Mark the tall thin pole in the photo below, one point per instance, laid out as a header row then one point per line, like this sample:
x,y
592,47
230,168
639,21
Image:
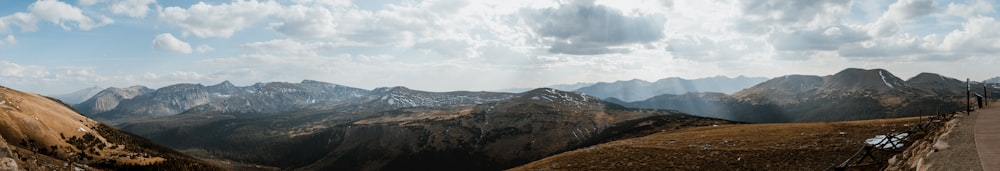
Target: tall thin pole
x,y
986,95
968,97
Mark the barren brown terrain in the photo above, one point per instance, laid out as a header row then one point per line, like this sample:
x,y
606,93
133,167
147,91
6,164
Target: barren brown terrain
x,y
44,134
796,146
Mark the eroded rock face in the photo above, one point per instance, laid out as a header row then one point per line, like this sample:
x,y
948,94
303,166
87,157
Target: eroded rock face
x,y
914,158
7,161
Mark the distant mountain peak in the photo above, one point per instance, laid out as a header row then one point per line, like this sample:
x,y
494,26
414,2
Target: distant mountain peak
x,y
307,81
636,90
861,79
79,95
992,80
392,89
543,90
136,87
634,80
553,95
225,83
929,77
937,84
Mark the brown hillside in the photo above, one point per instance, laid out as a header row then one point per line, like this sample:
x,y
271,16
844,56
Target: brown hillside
x,y
44,134
797,146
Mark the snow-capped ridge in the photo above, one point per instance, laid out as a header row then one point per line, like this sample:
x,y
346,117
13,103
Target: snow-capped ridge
x,y
225,83
402,97
550,95
314,82
391,89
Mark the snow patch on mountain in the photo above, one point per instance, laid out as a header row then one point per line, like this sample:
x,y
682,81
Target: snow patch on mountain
x,y
560,97
884,81
397,97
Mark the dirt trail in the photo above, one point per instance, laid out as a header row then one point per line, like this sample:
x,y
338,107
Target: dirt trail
x,y
987,135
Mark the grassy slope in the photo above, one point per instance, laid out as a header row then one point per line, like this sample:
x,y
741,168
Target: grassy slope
x,y
46,134
796,146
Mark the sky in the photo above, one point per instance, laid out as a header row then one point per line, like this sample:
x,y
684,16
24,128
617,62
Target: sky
x,y
54,47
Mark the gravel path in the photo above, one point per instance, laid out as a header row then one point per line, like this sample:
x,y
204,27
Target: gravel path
x,y
958,150
988,137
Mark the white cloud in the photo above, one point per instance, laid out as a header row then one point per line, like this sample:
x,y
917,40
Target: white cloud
x,y
313,21
397,25
330,3
168,42
978,35
979,7
883,28
761,16
824,39
899,46
131,8
25,21
185,76
88,2
701,48
223,20
425,44
204,49
9,40
424,26
910,9
288,47
975,38
59,13
59,79
448,48
56,12
585,28
9,69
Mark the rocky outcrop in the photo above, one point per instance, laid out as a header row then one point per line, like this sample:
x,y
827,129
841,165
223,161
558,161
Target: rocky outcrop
x,y
7,161
108,99
915,157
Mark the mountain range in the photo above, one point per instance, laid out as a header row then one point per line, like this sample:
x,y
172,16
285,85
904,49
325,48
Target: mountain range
x,y
992,80
561,87
138,102
79,95
328,126
851,94
40,133
401,129
314,125
108,99
636,90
